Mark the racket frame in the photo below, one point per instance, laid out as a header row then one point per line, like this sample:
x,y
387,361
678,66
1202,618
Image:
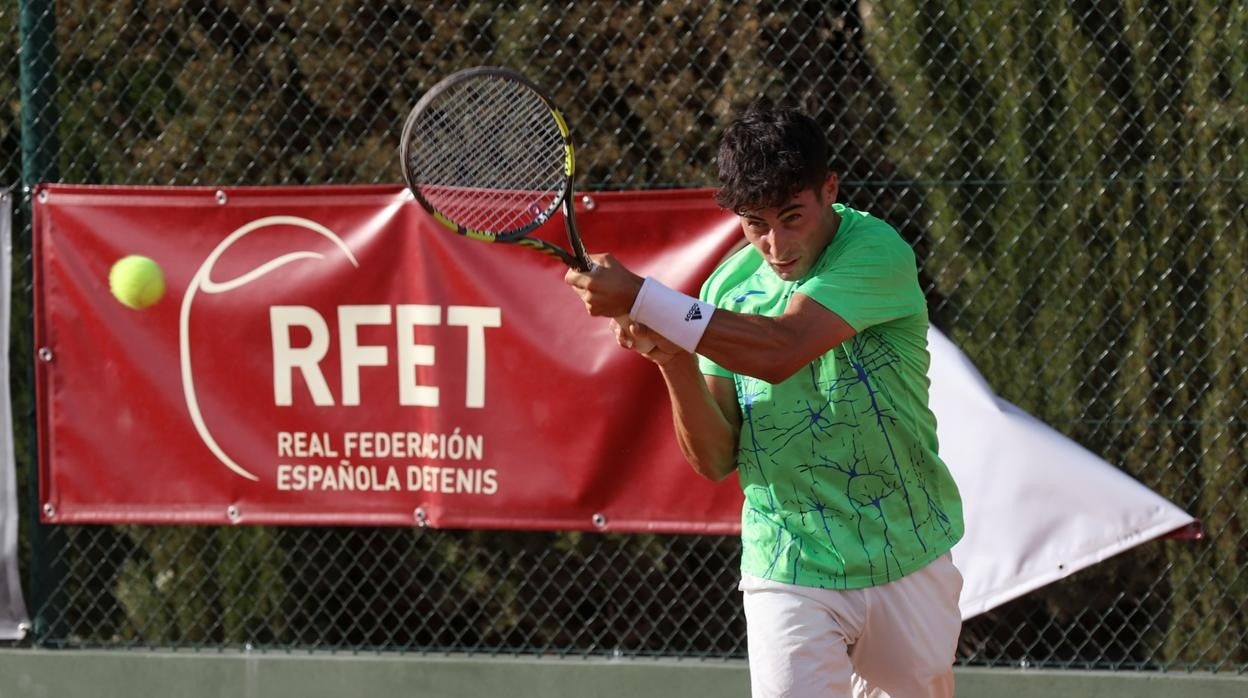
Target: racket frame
x,y
576,258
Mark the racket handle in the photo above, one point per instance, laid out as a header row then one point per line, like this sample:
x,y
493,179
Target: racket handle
x,y
641,344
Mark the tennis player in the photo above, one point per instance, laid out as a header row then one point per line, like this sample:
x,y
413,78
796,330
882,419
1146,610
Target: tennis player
x,y
803,367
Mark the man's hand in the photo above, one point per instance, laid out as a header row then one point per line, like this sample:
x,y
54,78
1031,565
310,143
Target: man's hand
x,y
607,291
636,336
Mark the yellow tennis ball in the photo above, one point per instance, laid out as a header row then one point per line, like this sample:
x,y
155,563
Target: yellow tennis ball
x,y
136,281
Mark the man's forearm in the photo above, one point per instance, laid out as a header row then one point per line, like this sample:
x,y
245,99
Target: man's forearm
x,y
751,345
707,437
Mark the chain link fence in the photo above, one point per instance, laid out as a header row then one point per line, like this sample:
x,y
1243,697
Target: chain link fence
x,y
1071,173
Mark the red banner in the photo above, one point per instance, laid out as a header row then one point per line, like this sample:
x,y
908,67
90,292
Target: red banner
x,y
329,355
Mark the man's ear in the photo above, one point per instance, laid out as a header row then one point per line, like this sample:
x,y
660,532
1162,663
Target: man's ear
x,y
830,187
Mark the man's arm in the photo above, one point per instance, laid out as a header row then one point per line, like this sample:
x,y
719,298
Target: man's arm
x,y
705,414
767,348
773,348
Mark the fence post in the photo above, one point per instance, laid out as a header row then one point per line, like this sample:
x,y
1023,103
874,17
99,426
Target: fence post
x,y
38,78
40,148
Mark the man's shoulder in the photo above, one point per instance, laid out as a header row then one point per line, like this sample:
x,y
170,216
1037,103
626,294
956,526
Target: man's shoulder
x,y
745,258
866,229
866,237
730,273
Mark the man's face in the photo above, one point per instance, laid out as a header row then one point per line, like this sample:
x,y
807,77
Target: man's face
x,y
791,237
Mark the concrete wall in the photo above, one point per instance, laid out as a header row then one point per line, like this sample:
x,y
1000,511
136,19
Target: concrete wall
x,y
131,674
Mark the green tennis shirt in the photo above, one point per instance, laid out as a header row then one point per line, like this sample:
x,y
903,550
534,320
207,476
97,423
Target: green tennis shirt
x,y
843,484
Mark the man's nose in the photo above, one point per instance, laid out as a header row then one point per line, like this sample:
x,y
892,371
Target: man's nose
x,y
777,245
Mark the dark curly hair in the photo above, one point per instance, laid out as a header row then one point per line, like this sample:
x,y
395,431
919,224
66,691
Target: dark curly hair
x,y
767,155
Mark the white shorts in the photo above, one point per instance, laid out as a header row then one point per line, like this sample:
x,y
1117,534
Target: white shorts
x,y
897,640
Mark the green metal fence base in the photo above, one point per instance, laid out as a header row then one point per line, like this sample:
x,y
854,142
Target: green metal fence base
x,y
102,674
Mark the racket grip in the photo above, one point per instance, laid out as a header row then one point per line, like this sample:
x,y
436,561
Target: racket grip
x,y
640,344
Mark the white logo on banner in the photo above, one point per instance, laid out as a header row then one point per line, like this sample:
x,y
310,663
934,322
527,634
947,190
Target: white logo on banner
x,y
202,282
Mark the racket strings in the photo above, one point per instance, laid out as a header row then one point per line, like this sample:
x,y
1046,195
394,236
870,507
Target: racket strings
x,y
489,155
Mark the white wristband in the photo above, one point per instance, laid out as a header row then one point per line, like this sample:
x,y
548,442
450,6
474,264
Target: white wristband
x,y
680,318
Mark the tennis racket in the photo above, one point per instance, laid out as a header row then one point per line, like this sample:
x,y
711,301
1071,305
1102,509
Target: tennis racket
x,y
490,157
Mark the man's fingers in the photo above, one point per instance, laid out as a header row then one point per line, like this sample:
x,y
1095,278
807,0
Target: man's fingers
x,y
576,279
621,337
623,328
